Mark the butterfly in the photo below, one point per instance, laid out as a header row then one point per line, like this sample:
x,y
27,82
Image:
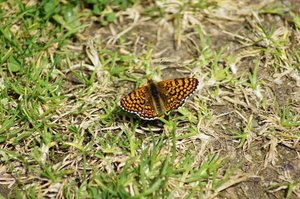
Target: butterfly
x,y
151,101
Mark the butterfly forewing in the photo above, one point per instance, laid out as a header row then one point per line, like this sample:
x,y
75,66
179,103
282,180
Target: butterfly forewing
x,y
174,92
139,102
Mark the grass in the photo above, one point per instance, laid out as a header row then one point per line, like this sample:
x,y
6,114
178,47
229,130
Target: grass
x,y
66,65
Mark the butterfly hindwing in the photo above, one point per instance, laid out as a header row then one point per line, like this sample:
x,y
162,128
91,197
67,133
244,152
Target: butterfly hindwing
x,y
139,102
174,92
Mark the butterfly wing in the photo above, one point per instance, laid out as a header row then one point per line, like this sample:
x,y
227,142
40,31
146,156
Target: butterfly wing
x,y
175,92
140,102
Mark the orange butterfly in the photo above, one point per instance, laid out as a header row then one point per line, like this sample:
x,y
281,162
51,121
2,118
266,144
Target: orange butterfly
x,y
153,100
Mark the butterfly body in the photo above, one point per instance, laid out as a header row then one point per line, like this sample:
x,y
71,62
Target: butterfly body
x,y
156,97
153,100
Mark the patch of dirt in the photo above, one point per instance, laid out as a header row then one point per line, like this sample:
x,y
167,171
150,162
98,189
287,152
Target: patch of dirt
x,y
284,92
249,190
4,191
